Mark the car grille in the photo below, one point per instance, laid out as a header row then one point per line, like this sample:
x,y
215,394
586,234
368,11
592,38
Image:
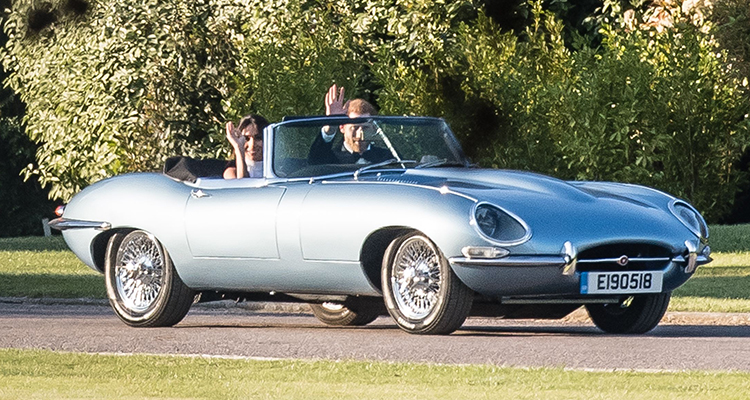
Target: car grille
x,y
624,257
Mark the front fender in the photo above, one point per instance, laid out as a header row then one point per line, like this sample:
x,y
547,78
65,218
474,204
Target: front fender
x,y
149,201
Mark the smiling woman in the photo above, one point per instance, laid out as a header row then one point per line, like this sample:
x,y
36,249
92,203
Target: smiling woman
x,y
247,144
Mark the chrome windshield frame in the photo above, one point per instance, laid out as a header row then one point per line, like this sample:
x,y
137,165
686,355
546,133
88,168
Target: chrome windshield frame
x,y
270,138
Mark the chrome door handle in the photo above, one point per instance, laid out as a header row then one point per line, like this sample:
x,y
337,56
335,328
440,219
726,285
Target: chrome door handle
x,y
199,194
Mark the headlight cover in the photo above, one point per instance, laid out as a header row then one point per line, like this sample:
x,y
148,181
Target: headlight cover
x,y
690,217
499,226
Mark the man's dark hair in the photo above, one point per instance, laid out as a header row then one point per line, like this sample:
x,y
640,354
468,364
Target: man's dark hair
x,y
360,106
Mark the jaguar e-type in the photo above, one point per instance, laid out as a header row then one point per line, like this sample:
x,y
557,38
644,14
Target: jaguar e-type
x,y
415,231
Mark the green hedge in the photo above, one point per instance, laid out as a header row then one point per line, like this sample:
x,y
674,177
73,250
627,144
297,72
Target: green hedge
x,y
112,87
118,86
23,205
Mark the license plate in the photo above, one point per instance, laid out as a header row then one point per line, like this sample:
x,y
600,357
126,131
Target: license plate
x,y
621,282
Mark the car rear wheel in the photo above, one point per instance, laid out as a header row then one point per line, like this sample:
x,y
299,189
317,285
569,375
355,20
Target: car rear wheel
x,y
636,314
421,292
337,314
142,284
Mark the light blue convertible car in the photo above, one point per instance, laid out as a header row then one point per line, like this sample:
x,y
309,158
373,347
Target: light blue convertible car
x,y
417,232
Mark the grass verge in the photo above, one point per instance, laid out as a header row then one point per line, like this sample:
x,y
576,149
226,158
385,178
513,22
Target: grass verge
x,y
44,267
721,286
26,374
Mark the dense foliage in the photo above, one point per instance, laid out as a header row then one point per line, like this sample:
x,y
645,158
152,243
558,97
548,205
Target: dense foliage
x,y
656,107
115,86
23,205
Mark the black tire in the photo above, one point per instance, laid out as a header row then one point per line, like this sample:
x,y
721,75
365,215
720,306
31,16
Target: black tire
x,y
142,284
635,315
421,291
338,314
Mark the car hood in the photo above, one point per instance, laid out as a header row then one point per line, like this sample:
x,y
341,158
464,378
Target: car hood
x,y
523,185
585,213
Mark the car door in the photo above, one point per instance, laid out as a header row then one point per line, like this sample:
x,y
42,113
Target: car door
x,y
236,220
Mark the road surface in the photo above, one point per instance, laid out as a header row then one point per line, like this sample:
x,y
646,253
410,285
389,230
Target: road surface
x,y
237,332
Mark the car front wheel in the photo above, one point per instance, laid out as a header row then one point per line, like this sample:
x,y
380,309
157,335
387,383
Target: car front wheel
x,y
142,284
634,315
421,291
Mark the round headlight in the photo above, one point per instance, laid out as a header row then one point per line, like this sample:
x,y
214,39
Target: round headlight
x,y
498,225
690,218
487,220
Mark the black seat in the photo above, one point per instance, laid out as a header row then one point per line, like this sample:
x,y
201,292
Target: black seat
x,y
190,169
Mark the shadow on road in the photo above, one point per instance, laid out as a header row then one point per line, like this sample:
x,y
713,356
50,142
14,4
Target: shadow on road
x,y
241,319
486,328
698,331
666,331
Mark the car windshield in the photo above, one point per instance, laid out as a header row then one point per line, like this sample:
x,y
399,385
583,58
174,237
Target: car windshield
x,y
301,150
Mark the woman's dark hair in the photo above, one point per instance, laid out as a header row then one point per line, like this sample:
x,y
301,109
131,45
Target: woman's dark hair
x,y
254,124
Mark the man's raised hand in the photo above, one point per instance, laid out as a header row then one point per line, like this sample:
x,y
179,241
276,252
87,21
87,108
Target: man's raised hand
x,y
335,100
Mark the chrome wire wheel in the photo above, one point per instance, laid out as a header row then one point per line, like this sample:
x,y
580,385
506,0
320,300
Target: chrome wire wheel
x,y
139,272
415,277
420,290
143,287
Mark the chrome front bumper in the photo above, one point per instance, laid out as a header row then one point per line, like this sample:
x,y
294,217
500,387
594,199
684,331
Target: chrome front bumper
x,y
62,224
696,254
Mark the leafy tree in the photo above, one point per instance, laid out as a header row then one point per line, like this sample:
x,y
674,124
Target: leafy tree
x,y
118,87
22,204
651,106
291,53
113,87
732,20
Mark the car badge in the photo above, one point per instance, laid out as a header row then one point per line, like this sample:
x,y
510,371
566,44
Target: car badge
x,y
623,261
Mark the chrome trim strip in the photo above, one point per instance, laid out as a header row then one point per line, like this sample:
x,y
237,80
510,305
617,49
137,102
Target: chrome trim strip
x,y
614,260
597,300
570,255
692,256
700,219
343,119
65,224
545,261
442,189
701,259
517,261
473,222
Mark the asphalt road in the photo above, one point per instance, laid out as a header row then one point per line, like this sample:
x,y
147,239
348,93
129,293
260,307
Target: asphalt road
x,y
236,332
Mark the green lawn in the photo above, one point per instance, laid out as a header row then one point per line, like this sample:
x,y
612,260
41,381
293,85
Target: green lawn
x,y
43,267
721,286
38,374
